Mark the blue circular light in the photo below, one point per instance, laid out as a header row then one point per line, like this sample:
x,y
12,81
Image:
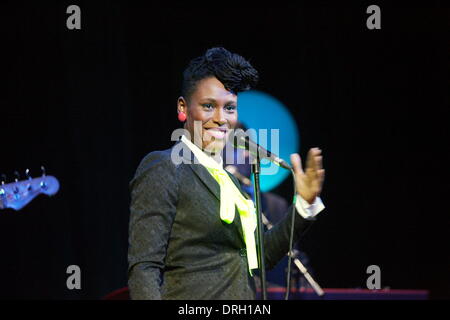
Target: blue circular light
x,y
258,110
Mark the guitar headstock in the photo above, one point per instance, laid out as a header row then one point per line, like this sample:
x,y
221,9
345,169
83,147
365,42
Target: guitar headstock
x,y
18,194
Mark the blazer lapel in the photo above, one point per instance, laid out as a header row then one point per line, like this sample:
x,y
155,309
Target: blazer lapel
x,y
206,178
209,181
200,170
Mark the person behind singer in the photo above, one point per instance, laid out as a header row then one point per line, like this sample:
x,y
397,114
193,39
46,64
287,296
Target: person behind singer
x,y
273,208
191,230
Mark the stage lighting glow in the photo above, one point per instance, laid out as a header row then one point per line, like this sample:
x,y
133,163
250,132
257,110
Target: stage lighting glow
x,y
259,110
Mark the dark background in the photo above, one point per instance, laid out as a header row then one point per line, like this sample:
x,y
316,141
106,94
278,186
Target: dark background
x,y
89,104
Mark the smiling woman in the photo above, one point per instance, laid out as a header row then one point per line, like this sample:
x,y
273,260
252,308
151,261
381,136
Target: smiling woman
x,y
214,107
209,95
192,229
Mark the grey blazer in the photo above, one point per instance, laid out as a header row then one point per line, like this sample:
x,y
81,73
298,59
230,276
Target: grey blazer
x,y
179,248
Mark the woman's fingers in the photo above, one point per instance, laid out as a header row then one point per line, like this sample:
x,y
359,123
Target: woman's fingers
x,y
296,162
318,162
314,169
321,177
314,159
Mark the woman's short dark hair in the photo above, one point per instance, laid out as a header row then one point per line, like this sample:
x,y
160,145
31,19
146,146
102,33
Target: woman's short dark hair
x,y
236,73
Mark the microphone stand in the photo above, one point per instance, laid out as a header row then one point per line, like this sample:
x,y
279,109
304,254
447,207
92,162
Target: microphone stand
x,y
256,169
307,275
316,287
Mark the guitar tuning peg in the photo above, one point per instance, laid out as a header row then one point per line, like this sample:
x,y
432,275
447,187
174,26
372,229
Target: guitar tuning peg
x,y
43,184
27,174
2,190
17,176
16,189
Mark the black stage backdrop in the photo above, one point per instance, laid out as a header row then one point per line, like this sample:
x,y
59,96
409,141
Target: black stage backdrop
x,y
89,104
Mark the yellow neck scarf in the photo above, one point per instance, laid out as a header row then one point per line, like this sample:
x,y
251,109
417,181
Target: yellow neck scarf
x,y
230,198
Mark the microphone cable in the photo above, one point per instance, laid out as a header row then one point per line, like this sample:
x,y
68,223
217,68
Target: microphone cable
x,y
291,238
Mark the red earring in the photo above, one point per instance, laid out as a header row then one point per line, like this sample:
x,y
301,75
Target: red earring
x,y
182,116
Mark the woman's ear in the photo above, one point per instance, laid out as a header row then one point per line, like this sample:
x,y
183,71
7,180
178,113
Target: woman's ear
x,y
181,104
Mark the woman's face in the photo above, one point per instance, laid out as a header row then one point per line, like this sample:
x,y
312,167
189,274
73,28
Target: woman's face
x,y
211,113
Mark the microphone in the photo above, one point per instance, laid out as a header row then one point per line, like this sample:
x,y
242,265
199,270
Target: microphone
x,y
244,142
234,171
